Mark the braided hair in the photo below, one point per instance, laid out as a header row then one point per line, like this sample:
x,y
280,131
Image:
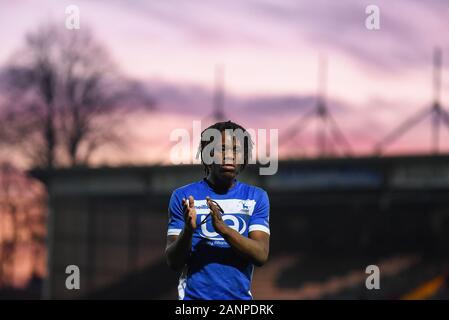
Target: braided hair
x,y
221,127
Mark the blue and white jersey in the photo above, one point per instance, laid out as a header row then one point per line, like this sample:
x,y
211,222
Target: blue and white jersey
x,y
214,270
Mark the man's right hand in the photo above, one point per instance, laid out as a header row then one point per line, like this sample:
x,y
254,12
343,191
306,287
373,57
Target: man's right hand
x,y
189,213
178,247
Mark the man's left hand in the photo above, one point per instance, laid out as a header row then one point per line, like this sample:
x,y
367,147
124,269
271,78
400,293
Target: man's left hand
x,y
217,221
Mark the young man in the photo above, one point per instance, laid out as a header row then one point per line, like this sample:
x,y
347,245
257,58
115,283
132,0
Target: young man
x,y
219,227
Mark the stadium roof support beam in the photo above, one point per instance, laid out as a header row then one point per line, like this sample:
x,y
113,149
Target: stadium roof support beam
x,y
439,116
329,137
217,114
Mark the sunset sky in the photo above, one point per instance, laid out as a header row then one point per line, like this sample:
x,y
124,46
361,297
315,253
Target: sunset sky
x,y
270,50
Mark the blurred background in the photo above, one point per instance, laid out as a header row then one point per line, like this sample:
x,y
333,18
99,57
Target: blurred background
x,y
86,166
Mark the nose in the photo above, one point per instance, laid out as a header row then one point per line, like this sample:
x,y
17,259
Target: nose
x,y
229,156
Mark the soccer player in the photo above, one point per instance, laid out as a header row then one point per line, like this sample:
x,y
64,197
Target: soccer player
x,y
218,227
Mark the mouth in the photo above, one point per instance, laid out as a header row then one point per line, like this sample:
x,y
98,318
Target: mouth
x,y
227,167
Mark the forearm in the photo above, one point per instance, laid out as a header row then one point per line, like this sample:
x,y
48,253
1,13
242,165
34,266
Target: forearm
x,y
178,251
253,250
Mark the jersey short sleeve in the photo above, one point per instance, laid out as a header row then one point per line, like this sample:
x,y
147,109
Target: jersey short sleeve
x,y
175,215
260,219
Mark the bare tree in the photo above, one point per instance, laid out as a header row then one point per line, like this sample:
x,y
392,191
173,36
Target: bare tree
x,y
61,99
22,222
64,98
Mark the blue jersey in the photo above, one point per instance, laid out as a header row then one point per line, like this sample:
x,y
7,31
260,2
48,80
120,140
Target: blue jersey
x,y
214,270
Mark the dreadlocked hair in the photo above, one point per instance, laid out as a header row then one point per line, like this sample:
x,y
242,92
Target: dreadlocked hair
x,y
222,126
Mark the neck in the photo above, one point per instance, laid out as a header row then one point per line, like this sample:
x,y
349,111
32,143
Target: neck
x,y
220,185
